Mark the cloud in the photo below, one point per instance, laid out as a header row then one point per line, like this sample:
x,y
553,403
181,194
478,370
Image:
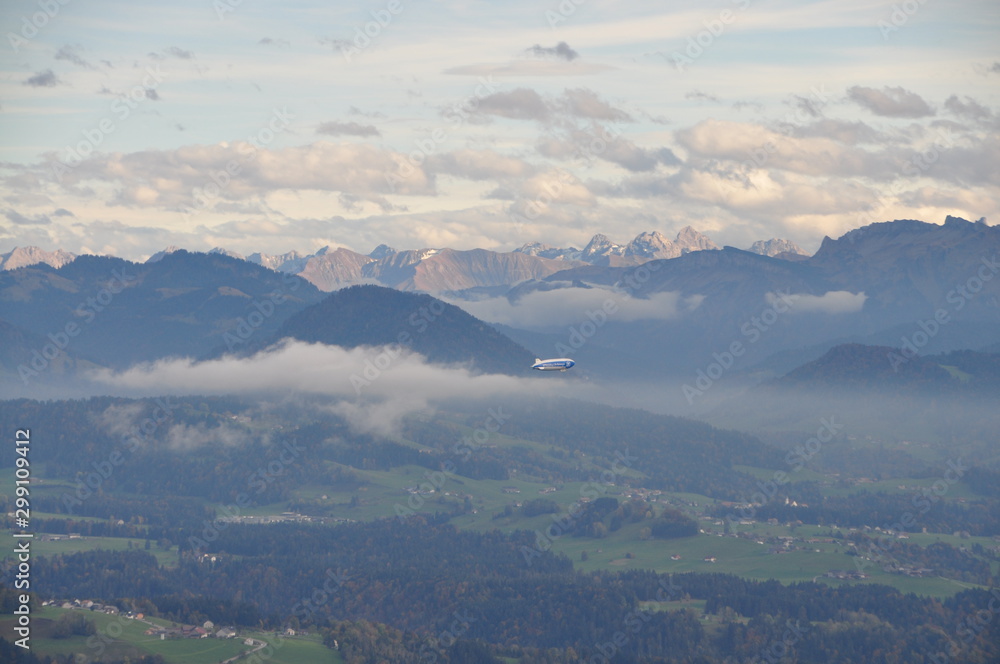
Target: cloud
x,y
179,53
542,309
70,54
334,128
527,104
354,110
182,437
890,102
126,421
175,178
585,103
518,104
267,41
831,302
43,79
371,399
807,105
702,96
754,147
969,109
849,133
21,220
519,68
561,50
479,165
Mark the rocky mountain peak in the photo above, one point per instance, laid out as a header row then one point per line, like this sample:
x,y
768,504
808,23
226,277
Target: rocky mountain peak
x,y
691,240
381,252
600,245
650,245
776,246
159,255
25,256
227,252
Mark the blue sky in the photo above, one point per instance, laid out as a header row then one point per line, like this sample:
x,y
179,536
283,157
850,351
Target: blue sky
x,y
476,124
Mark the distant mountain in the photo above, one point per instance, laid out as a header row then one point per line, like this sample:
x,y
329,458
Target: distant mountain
x,y
861,367
433,270
776,247
159,255
292,261
381,251
182,304
688,240
600,247
25,355
884,285
25,256
880,390
546,251
225,252
335,269
644,247
375,315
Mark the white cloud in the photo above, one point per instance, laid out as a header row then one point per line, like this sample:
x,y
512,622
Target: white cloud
x,y
831,302
372,387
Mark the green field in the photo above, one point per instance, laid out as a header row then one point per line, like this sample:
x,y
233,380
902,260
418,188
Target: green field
x,y
65,546
119,637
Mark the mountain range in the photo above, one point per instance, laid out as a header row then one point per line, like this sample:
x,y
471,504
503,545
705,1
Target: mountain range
x,y
438,270
896,284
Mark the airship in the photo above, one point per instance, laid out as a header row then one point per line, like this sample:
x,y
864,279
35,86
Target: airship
x,y
557,364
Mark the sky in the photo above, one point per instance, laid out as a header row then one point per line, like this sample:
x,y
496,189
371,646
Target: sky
x,y
127,127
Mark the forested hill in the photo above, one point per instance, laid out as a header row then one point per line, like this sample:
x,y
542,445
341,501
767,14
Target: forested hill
x,y
673,453
858,366
374,315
